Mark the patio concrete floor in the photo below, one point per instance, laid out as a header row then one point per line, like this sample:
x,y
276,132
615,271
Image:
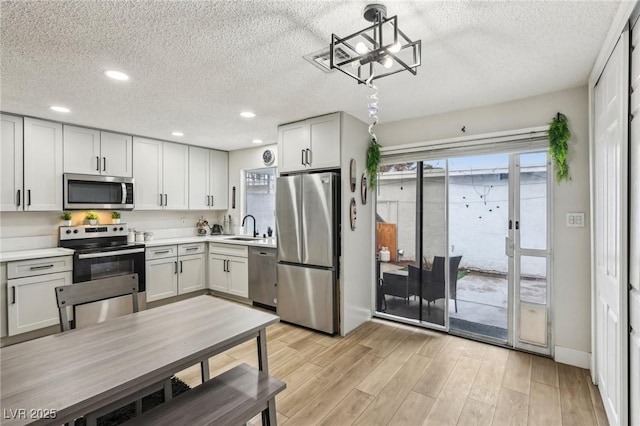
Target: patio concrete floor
x,y
482,303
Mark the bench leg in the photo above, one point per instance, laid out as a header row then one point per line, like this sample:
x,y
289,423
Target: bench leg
x,y
204,370
269,416
168,391
263,362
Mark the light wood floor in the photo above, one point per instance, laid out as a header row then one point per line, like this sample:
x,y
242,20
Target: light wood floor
x,y
385,373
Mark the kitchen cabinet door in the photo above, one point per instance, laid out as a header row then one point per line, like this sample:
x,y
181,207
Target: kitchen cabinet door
x,y
238,271
11,185
199,196
117,154
81,150
218,278
31,303
192,273
147,172
293,141
219,179
161,278
175,172
42,165
324,142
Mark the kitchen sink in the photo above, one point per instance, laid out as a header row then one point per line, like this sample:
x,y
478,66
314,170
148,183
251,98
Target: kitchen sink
x,y
244,238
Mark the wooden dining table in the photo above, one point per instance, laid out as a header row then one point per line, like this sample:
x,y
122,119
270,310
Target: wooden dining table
x,y
57,378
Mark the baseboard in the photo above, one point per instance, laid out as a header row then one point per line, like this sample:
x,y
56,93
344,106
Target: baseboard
x,y
572,357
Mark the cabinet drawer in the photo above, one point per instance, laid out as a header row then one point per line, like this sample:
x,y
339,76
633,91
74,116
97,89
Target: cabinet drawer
x,y
184,249
33,267
161,252
229,249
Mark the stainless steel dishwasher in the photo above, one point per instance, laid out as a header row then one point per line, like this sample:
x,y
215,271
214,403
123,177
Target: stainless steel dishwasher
x,y
262,276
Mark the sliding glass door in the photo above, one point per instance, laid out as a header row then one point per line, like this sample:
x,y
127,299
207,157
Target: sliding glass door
x,y
463,246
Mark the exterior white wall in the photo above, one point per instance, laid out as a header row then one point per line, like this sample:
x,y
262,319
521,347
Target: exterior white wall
x,y
570,246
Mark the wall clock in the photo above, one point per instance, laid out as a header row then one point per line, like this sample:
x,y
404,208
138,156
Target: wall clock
x,y
268,157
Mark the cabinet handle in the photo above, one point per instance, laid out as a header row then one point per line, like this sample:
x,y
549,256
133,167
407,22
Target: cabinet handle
x,y
302,160
37,268
191,248
309,156
161,200
13,297
97,163
208,202
28,197
181,266
165,199
104,164
161,251
228,266
18,199
212,201
176,265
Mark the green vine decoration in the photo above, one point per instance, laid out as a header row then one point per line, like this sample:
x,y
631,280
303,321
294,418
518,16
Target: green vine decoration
x,y
559,135
373,160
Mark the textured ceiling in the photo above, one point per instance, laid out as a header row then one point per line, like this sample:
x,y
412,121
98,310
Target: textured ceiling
x,y
195,66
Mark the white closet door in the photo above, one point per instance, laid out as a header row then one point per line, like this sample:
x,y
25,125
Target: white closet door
x,y
634,232
610,213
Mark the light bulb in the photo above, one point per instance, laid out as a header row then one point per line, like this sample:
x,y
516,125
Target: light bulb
x,y
361,48
387,63
395,48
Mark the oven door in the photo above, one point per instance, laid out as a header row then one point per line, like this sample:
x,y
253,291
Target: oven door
x,y
91,266
98,192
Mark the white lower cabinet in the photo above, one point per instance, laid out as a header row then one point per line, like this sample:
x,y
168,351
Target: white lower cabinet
x,y
161,278
31,298
229,269
174,270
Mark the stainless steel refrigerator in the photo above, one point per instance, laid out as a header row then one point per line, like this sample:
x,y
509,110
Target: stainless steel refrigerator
x,y
307,227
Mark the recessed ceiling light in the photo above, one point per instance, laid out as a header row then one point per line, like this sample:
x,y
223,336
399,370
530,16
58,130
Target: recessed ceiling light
x,y
177,133
257,141
59,109
247,114
116,75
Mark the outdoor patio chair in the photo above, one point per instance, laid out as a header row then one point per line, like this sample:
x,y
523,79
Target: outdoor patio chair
x,y
433,281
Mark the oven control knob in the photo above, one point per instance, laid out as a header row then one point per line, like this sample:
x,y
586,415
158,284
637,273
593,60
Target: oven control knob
x,y
115,229
75,231
121,228
68,231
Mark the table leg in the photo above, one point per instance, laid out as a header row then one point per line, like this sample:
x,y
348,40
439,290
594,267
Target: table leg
x,y
268,415
204,369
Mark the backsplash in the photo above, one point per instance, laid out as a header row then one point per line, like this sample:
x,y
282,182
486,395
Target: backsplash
x,y
33,230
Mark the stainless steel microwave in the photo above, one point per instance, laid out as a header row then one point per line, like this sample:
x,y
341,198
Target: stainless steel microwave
x,y
88,192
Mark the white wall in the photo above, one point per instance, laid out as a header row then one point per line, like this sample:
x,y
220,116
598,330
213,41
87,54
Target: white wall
x,y
357,263
240,160
570,246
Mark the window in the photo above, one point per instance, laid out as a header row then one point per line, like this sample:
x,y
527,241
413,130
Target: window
x,y
260,199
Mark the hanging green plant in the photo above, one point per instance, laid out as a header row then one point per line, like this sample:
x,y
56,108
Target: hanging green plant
x,y
559,135
373,160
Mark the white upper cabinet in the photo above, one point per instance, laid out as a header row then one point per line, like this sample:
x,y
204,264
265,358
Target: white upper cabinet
x,y
208,179
11,187
42,165
175,172
219,179
310,144
161,173
147,173
92,152
117,154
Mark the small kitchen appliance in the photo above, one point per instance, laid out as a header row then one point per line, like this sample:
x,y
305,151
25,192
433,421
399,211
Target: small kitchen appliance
x,y
101,252
216,229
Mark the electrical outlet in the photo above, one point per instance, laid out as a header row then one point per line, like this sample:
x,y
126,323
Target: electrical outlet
x,y
183,221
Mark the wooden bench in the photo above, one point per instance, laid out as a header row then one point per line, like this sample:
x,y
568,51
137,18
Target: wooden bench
x,y
232,398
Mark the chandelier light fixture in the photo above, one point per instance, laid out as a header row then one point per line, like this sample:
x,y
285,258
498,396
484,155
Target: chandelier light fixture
x,y
376,51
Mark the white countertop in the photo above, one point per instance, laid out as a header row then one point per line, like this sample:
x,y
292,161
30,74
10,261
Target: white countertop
x,y
9,256
226,239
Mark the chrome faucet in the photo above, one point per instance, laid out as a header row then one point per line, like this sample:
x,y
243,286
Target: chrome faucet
x,y
255,233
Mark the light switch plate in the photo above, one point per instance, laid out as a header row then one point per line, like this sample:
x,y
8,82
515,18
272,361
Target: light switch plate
x,y
575,220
